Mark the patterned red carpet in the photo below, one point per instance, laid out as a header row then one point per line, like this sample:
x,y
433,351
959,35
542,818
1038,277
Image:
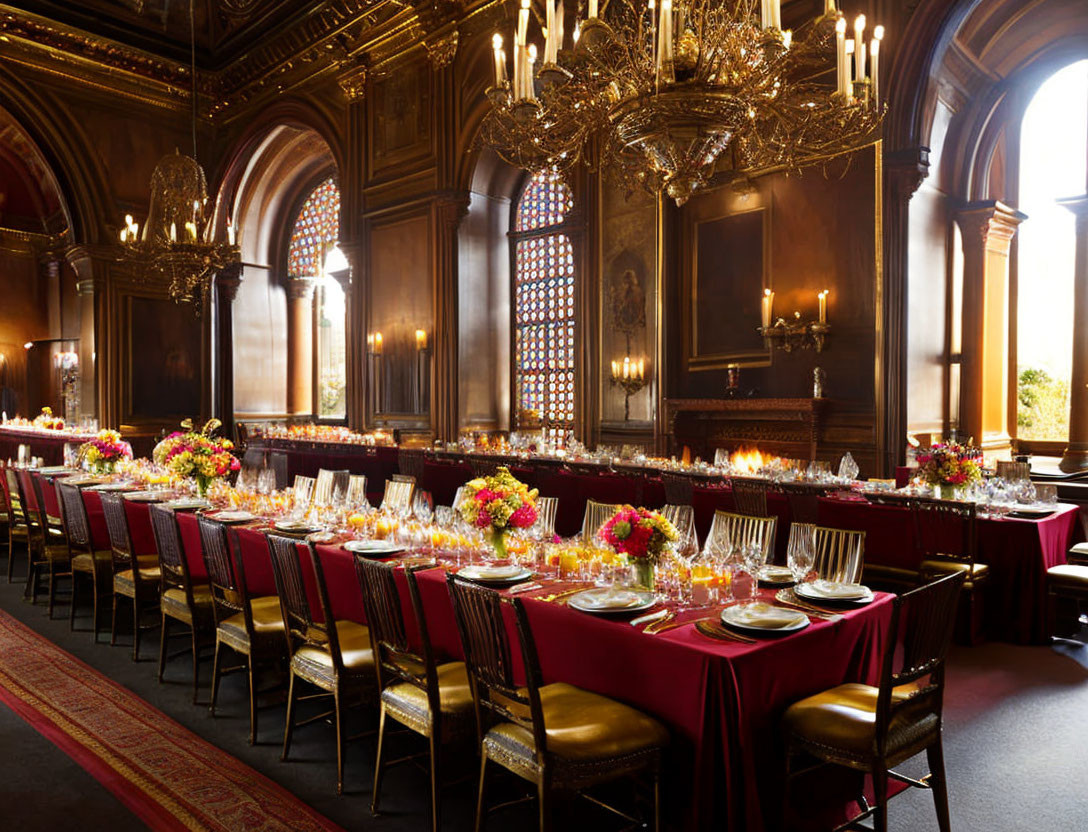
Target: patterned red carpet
x,y
168,776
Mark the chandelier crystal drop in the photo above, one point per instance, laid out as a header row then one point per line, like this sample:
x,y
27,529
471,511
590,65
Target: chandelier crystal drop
x,y
663,95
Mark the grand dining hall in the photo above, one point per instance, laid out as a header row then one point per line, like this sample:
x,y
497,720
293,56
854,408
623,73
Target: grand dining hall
x,y
607,415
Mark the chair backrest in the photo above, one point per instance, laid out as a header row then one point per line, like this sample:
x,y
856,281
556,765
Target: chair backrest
x,y
411,462
597,514
37,516
77,527
278,460
946,529
750,496
741,530
799,532
226,574
478,612
357,489
398,493
329,484
918,640
113,507
294,604
840,554
171,549
15,502
404,478
679,489
682,517
546,508
803,499
328,625
1013,471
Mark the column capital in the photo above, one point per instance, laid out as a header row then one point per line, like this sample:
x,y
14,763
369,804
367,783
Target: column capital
x,y
1078,205
989,223
906,169
301,288
227,281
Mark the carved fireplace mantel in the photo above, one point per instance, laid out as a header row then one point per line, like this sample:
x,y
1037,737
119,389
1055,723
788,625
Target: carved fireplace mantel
x,y
783,427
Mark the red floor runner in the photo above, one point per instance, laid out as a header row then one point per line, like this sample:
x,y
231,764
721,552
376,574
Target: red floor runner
x,y
167,775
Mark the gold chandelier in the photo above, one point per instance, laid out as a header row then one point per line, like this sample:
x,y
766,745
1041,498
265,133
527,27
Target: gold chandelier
x,y
661,95
177,243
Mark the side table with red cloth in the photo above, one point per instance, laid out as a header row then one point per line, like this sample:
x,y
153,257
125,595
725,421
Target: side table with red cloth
x,y
48,445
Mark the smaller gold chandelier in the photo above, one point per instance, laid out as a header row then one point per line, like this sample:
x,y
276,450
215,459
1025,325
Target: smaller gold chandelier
x,y
177,244
662,94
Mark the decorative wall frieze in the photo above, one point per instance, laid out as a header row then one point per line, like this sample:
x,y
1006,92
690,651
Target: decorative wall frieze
x,y
441,51
352,81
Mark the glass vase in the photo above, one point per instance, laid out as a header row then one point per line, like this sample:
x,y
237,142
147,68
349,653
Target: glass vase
x,y
645,573
498,544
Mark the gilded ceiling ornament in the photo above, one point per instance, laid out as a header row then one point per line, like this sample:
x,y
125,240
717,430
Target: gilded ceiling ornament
x,y
353,82
441,51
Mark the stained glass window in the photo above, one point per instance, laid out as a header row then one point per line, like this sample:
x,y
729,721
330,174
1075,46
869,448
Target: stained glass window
x,y
544,305
315,231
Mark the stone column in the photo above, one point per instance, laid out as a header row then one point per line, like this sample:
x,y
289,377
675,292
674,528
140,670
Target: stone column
x,y
227,282
988,228
300,346
1075,457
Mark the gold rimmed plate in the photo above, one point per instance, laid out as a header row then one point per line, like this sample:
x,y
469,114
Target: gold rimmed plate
x,y
764,619
612,601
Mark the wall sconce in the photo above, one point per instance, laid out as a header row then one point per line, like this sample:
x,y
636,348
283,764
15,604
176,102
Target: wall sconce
x,y
423,360
789,335
374,343
630,376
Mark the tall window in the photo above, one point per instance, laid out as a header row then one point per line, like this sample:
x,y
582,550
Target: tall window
x,y
1053,142
544,306
313,237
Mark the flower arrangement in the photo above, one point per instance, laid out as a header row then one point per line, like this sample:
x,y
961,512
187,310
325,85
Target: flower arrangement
x,y
199,455
639,533
47,421
949,464
102,453
498,503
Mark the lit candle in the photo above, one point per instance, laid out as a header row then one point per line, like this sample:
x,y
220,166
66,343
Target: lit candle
x,y
829,6
641,368
124,234
530,93
626,366
768,306
173,232
859,48
874,61
847,73
664,41
549,35
559,30
615,369
592,9
840,54
787,39
776,14
377,343
765,13
523,22
421,339
500,60
230,231
823,306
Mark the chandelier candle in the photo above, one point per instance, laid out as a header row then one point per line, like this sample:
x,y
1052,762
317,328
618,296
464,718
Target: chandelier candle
x,y
500,60
847,73
874,62
859,48
840,55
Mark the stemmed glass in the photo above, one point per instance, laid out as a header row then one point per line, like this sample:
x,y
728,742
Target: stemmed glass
x,y
753,557
422,507
801,554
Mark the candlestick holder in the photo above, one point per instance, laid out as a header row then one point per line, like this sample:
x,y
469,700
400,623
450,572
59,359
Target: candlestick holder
x,y
630,385
795,335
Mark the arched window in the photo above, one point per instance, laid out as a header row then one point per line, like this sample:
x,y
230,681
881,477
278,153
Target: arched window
x,y
1053,143
544,306
314,235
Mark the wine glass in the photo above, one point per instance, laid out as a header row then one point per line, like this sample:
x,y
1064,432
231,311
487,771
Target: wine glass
x,y
422,507
801,555
753,557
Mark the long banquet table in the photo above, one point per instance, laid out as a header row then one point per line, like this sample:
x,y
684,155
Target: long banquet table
x,y
721,700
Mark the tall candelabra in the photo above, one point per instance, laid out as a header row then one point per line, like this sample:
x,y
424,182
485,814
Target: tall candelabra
x,y
630,376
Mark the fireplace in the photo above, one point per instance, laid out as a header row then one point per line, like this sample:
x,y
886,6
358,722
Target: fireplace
x,y
779,427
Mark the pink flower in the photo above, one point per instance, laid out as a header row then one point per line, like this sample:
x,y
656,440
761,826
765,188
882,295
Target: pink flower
x,y
523,518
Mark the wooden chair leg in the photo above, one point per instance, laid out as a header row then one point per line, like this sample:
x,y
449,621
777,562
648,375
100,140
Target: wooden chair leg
x,y
880,792
162,646
136,626
436,782
480,792
938,783
544,799
51,602
289,726
338,723
379,765
72,608
215,676
251,674
657,799
113,622
196,662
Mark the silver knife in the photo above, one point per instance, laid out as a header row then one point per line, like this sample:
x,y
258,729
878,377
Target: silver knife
x,y
647,619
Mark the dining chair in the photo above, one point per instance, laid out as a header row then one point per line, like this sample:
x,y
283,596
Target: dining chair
x,y
182,599
251,627
334,656
357,490
17,530
433,700
803,499
1067,591
330,484
398,493
557,736
742,529
873,729
47,549
87,561
750,496
546,509
840,554
135,577
946,533
597,514
679,489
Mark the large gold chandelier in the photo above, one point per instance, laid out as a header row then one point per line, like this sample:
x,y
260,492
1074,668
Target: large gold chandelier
x,y
662,95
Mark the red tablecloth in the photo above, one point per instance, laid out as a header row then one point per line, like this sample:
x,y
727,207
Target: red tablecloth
x,y
721,701
443,479
47,445
1018,551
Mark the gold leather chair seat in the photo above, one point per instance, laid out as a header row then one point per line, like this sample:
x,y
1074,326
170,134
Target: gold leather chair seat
x,y
408,703
4,518
889,574
174,604
588,735
267,621
842,722
355,650
1078,554
83,563
1068,579
975,571
18,531
125,581
56,552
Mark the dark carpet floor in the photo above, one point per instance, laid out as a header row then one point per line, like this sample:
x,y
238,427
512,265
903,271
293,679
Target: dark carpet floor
x,y
1016,739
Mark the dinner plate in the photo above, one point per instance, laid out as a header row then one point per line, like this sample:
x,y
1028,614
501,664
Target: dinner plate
x,y
145,497
112,487
231,516
187,505
773,575
612,601
53,470
488,574
836,593
1032,512
765,618
321,537
294,527
375,548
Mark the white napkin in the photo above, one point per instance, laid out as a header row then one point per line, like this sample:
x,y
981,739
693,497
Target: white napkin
x,y
490,571
610,599
763,615
833,589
